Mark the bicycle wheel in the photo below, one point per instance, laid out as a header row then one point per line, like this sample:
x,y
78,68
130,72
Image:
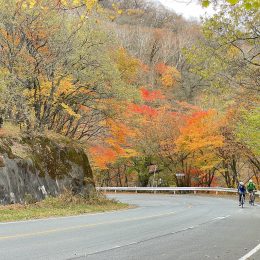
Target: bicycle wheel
x,y
253,199
242,201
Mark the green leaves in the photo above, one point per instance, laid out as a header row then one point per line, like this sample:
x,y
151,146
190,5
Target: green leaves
x,y
233,2
247,4
248,129
205,3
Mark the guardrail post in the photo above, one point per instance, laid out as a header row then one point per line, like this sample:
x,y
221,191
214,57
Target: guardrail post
x,y
216,192
174,192
115,191
195,192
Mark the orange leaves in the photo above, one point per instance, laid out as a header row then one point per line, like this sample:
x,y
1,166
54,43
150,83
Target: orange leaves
x,y
85,109
102,156
161,68
118,130
168,75
116,145
201,131
200,138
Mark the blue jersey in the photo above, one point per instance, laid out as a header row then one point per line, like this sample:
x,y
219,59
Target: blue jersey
x,y
241,189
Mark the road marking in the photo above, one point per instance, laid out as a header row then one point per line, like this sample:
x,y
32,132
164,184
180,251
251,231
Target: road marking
x,y
219,218
82,226
133,243
253,251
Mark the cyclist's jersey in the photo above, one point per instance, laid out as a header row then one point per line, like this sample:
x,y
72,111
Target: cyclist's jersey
x,y
241,188
251,187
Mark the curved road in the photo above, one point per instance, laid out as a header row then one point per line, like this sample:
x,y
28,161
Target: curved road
x,y
161,227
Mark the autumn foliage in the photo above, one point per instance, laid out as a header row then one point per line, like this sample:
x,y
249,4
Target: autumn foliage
x,y
135,90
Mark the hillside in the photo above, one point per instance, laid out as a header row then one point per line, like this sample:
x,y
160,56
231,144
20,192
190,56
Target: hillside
x,y
136,85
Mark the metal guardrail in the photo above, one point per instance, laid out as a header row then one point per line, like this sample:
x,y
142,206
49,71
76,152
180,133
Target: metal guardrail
x,y
169,189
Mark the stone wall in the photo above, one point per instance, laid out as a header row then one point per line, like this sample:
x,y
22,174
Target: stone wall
x,y
41,167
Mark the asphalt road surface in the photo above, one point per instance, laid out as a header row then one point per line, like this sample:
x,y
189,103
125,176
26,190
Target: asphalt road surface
x,y
180,227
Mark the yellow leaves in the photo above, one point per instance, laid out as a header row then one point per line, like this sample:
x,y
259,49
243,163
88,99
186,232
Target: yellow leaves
x,y
126,64
167,80
64,2
70,111
132,12
232,52
32,3
90,4
116,9
68,4
65,87
42,92
76,2
112,17
130,153
28,4
169,75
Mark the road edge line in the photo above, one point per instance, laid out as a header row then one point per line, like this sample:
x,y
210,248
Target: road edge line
x,y
252,252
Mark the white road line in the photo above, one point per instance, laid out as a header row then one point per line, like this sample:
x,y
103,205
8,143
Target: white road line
x,y
253,251
218,218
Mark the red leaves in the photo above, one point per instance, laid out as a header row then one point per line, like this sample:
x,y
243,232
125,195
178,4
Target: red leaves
x,y
144,110
151,95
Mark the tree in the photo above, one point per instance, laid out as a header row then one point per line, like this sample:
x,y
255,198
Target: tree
x,y
248,129
247,4
198,141
59,61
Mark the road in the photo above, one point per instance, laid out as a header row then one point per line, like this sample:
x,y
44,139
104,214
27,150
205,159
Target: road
x,y
160,227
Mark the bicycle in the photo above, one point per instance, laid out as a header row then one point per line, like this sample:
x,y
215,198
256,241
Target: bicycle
x,y
252,198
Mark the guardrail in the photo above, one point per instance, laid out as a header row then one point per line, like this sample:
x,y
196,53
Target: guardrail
x,y
169,189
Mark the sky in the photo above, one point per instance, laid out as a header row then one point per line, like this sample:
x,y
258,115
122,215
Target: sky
x,y
188,8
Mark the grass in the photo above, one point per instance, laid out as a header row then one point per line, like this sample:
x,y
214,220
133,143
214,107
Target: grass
x,y
64,205
10,130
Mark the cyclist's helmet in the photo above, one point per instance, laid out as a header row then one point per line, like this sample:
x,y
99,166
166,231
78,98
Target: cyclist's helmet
x,y
241,183
250,180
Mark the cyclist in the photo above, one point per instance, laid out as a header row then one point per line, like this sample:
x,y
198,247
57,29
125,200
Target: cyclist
x,y
241,191
251,188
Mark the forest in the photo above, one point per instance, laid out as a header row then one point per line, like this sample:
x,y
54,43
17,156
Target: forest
x,y
149,95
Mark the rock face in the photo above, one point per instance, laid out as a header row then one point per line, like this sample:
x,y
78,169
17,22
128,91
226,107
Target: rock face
x,y
41,167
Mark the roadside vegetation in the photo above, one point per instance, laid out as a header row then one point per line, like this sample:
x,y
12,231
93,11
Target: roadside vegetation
x,y
63,205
